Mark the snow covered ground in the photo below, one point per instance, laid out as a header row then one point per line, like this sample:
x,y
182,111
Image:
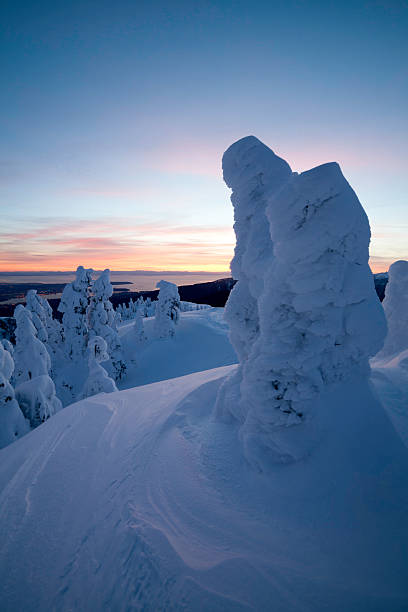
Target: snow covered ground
x,y
139,499
201,343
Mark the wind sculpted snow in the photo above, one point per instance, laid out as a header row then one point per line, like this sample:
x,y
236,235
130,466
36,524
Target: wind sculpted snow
x,y
140,500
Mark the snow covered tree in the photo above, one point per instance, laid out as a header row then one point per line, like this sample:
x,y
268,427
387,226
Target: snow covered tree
x,y
35,391
396,310
37,399
38,316
167,310
98,380
49,330
30,355
12,422
74,304
138,327
254,173
101,319
319,318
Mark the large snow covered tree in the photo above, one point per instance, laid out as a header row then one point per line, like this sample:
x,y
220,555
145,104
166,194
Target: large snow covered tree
x,y
253,172
167,310
30,355
319,319
98,380
101,320
35,391
12,422
74,304
396,310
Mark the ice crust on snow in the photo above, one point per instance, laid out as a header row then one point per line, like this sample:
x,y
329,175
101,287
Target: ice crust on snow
x,y
314,318
395,305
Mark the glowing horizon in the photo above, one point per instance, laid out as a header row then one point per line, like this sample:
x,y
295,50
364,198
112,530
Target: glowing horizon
x,y
118,163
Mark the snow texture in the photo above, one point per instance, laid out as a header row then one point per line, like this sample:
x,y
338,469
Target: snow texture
x,y
314,318
98,380
167,309
101,320
395,305
138,500
12,422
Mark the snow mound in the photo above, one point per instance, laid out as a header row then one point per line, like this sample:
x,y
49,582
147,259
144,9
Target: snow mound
x,y
140,500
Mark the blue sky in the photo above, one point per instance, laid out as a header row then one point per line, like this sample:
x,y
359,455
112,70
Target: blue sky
x,y
114,118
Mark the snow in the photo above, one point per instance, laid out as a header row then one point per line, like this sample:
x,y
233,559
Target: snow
x,y
138,499
200,343
396,310
98,380
167,309
12,422
314,317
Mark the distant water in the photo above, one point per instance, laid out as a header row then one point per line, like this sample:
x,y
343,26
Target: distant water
x,y
140,280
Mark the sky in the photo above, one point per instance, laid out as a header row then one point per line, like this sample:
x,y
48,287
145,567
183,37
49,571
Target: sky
x,y
114,117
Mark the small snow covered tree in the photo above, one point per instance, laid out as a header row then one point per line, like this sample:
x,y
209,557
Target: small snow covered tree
x,y
35,391
74,304
138,327
101,319
38,400
396,310
12,422
318,317
167,310
98,380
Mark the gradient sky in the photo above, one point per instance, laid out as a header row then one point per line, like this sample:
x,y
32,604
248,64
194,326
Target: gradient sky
x,y
114,117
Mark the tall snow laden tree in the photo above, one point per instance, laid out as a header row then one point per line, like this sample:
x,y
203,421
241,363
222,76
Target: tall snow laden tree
x,y
35,391
167,310
314,316
396,310
12,422
49,330
98,380
101,320
74,305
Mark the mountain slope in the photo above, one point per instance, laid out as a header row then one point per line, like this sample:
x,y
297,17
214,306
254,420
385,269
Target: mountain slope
x,y
139,500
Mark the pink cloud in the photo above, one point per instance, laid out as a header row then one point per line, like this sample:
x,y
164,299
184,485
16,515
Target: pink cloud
x,y
63,243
